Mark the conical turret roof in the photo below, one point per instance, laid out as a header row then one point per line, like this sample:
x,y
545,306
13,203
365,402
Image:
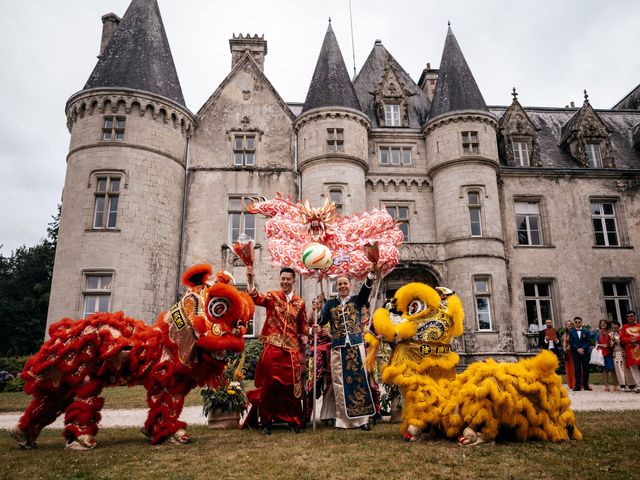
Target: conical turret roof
x,y
456,89
331,85
138,55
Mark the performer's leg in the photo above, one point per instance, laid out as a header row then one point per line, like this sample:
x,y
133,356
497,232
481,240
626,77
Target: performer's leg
x,y
342,420
165,408
83,415
43,410
328,410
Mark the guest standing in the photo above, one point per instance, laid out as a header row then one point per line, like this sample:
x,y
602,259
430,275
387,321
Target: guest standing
x,y
580,341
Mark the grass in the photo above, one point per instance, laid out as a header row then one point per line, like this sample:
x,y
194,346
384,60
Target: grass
x,y
607,451
115,397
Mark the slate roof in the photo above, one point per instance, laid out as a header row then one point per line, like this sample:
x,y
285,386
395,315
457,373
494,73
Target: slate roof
x,y
138,55
372,74
330,85
456,89
550,121
631,101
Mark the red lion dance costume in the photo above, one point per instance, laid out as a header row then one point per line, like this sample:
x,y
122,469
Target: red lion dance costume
x,y
185,348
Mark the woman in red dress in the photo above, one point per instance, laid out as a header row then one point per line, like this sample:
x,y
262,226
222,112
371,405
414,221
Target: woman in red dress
x,y
568,359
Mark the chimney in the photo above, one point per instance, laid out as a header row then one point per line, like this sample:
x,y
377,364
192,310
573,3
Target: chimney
x,y
427,81
255,46
573,104
110,22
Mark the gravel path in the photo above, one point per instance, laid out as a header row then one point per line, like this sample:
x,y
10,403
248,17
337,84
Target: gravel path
x,y
597,399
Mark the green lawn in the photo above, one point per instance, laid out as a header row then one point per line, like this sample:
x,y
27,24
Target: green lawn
x,y
115,397
608,451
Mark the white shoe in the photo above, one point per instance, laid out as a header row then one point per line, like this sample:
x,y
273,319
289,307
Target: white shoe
x,y
179,438
21,437
469,438
83,442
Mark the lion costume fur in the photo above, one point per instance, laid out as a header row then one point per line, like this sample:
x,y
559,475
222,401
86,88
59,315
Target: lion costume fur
x,y
185,348
525,399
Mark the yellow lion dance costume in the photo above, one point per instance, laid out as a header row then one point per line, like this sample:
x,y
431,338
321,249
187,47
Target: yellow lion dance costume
x,y
524,399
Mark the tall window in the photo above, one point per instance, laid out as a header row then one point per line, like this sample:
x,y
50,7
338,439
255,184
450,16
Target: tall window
x,y
240,221
335,140
482,292
603,214
335,195
594,154
395,156
113,127
400,213
538,302
617,299
528,223
392,115
244,150
520,153
96,293
105,210
470,142
475,212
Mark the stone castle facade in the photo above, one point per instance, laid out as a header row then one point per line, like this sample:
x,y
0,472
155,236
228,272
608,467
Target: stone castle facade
x,y
527,213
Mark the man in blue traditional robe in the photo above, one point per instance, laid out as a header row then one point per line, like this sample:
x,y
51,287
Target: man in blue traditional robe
x,y
354,402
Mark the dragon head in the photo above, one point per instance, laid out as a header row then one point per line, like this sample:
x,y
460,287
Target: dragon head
x,y
318,221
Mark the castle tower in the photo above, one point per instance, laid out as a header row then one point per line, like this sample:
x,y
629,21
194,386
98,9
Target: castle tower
x,y
462,160
332,135
120,230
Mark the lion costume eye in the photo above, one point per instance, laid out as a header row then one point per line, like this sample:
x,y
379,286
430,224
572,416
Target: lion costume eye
x,y
416,306
218,306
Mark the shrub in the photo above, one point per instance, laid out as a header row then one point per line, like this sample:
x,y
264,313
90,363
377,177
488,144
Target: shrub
x,y
16,384
13,365
252,352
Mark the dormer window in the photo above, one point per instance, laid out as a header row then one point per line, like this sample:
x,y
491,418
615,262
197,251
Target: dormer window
x,y
594,154
520,153
392,115
588,139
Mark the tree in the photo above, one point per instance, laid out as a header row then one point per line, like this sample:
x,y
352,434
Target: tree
x,y
25,284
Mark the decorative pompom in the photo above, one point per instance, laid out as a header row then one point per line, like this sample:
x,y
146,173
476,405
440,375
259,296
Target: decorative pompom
x,y
197,275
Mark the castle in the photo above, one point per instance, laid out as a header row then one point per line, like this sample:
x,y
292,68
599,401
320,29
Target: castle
x,y
527,213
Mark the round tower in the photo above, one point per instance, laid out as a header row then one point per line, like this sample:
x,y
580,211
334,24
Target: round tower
x,y
463,162
332,147
121,221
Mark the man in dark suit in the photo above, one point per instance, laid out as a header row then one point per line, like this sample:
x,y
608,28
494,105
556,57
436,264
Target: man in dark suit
x,y
580,341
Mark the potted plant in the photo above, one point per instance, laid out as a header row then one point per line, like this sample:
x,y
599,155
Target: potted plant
x,y
223,405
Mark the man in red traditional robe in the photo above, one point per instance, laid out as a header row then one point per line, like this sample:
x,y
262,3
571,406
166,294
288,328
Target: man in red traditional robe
x,y
278,392
630,340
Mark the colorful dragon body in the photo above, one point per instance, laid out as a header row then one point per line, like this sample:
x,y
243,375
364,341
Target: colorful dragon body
x,y
185,348
525,400
291,226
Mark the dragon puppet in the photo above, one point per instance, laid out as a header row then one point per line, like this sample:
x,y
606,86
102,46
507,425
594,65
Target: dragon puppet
x,y
525,400
291,226
185,348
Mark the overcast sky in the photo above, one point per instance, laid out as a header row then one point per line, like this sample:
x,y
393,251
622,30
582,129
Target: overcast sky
x,y
549,50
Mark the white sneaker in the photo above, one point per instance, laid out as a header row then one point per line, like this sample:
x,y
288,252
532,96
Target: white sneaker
x,y
83,442
21,437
